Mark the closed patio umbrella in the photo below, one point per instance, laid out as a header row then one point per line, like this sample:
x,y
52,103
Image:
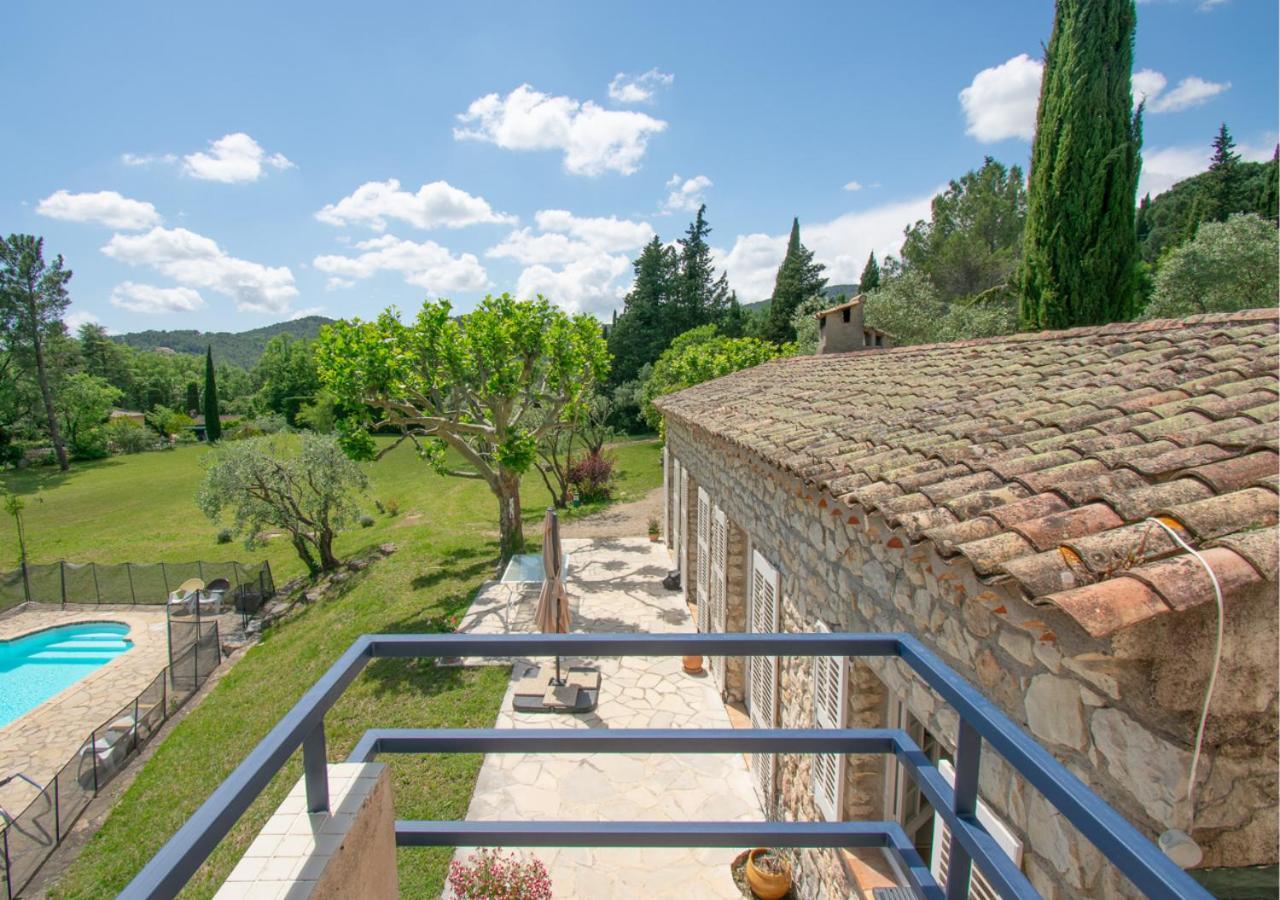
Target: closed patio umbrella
x,y
553,615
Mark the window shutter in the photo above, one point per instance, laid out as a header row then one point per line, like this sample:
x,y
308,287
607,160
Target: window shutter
x,y
719,586
703,573
979,887
765,589
830,684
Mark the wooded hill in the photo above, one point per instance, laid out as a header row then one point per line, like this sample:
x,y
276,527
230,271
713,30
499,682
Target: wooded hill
x,y
1169,219
243,348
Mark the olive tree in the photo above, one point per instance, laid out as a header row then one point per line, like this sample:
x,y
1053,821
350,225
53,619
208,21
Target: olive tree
x,y
489,385
305,487
1228,266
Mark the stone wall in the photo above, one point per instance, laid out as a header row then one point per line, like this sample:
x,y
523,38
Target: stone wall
x,y
1120,713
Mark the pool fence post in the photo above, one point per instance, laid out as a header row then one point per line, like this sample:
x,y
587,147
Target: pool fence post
x,y
93,752
135,724
8,875
57,818
62,578
128,568
97,589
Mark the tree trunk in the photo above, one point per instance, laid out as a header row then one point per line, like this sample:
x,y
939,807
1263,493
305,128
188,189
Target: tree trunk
x,y
46,394
304,553
324,543
510,527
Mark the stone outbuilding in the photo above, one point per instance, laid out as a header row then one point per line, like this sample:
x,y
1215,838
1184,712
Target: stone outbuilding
x,y
1014,503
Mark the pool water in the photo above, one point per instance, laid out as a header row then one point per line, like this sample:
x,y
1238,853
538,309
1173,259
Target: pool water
x,y
37,666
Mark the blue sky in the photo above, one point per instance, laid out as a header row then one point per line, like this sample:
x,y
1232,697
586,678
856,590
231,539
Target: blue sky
x,y
223,166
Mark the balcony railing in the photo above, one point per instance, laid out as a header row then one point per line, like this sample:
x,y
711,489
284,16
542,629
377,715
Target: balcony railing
x,y
979,720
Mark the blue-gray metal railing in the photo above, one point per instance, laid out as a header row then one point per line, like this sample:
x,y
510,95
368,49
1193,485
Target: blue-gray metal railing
x,y
303,726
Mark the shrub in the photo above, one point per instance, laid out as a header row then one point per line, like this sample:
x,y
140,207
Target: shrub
x,y
270,423
366,521
592,476
1228,266
127,436
225,535
391,506
489,873
90,443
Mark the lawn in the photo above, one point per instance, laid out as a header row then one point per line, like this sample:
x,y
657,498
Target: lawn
x,y
140,508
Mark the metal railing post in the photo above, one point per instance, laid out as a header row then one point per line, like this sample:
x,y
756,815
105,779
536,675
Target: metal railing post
x,y
968,756
93,752
57,809
316,767
8,874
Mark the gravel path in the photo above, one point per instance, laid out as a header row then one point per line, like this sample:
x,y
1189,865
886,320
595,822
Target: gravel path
x,y
619,520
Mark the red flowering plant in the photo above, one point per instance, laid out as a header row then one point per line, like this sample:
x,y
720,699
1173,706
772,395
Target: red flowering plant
x,y
592,476
490,874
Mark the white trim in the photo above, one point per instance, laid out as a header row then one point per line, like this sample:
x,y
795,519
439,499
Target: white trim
x,y
979,887
719,587
830,700
766,587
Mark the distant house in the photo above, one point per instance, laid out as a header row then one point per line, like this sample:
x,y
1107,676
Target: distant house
x,y
996,499
133,415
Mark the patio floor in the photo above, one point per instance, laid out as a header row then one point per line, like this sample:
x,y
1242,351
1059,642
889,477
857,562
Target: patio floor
x,y
614,584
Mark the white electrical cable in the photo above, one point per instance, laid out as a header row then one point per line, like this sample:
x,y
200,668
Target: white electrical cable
x,y
1213,673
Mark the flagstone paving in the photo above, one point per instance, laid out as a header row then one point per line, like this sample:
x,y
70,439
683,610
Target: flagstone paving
x,y
615,585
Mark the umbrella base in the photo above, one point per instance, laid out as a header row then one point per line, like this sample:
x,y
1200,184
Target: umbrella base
x,y
537,692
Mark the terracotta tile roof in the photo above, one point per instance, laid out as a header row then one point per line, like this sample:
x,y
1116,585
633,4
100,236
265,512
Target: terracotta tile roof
x,y
1037,457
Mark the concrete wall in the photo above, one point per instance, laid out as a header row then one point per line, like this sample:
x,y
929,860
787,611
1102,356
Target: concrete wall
x,y
1120,713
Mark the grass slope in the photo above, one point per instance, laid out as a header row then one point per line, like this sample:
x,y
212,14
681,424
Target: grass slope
x,y
140,508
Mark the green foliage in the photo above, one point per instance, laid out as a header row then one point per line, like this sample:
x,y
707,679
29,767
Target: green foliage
x,y
798,279
127,436
192,406
240,349
477,382
806,326
286,377
321,415
973,239
1228,266
910,308
168,423
212,410
1226,180
1080,249
699,355
85,402
870,279
305,487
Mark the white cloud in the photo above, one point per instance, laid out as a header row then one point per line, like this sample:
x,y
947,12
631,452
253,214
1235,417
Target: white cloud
x,y
1001,101
586,285
1191,91
853,186
1147,84
232,158
102,208
685,194
626,88
435,205
147,159
78,318
197,261
147,298
338,284
307,311
594,140
426,265
842,245
565,238
1165,167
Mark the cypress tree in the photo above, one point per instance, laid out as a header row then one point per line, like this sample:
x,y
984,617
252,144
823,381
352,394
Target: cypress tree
x,y
1269,196
212,424
1224,177
193,398
870,279
799,278
1080,249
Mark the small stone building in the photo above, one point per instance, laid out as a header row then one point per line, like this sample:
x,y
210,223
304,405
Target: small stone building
x,y
995,498
841,329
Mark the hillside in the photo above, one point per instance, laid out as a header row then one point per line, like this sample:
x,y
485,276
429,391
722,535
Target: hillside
x,y
832,291
241,348
1168,219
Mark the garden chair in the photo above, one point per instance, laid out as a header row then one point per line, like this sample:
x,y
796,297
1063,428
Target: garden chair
x,y
186,595
211,599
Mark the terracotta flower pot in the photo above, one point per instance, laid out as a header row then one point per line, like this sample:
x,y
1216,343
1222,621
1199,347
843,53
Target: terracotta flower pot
x,y
654,538
692,664
766,885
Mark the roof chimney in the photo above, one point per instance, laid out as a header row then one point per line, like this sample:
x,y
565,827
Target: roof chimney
x,y
841,330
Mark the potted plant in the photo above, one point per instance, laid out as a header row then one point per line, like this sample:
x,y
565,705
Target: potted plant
x,y
768,873
654,529
692,664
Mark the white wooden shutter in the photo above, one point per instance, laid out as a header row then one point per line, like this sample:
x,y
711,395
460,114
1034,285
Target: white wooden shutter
x,y
668,502
719,586
979,887
765,588
704,560
830,685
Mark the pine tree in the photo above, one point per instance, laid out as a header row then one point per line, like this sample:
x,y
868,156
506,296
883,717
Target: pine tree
x,y
1268,205
1080,251
648,320
1224,177
799,278
703,298
212,423
870,279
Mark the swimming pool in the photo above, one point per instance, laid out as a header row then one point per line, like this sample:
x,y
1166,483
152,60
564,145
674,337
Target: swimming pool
x,y
36,666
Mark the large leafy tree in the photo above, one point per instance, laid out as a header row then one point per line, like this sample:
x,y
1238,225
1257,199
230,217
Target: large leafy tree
x,y
1228,266
799,278
699,355
33,298
84,403
973,239
305,487
286,375
1080,250
488,384
212,412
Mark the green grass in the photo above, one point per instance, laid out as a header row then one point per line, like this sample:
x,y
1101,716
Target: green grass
x,y
140,508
